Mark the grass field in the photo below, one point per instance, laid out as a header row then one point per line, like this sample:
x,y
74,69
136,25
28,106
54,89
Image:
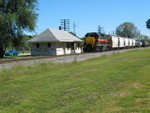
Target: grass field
x,y
7,58
20,57
118,83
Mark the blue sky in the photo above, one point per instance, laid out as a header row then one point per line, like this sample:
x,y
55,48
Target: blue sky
x,y
88,14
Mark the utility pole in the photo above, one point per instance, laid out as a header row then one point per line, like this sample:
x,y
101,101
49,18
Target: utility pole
x,y
101,29
113,33
74,28
65,24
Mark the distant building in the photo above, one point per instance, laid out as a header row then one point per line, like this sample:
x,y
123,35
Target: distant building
x,y
55,42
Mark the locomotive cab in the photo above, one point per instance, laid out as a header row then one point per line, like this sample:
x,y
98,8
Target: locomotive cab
x,y
96,42
90,42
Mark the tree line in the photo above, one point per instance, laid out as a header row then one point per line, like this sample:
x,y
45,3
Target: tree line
x,y
129,30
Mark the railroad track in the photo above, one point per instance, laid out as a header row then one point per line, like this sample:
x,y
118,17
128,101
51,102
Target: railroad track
x,y
58,59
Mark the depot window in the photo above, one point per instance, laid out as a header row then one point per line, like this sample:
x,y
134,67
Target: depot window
x,y
68,45
72,45
49,44
37,45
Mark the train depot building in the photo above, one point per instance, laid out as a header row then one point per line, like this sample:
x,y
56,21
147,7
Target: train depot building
x,y
53,42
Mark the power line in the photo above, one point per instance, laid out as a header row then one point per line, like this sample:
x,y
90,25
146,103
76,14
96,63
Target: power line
x,y
74,28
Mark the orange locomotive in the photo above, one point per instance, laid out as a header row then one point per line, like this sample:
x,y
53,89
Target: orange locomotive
x,y
96,42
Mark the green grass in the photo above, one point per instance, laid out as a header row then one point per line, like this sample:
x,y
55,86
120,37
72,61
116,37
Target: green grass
x,y
109,84
8,58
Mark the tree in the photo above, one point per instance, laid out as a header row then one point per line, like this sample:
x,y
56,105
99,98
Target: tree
x,y
73,34
16,16
144,37
21,43
148,24
127,29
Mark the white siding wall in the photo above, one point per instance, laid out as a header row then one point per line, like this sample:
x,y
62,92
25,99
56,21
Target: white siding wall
x,y
59,48
67,50
55,49
59,51
78,50
43,49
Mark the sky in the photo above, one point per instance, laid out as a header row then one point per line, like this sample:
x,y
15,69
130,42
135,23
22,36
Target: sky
x,y
88,14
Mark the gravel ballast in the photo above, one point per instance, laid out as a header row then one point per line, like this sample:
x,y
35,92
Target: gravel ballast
x,y
60,59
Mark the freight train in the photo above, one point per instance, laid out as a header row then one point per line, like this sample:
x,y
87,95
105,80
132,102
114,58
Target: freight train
x,y
98,42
